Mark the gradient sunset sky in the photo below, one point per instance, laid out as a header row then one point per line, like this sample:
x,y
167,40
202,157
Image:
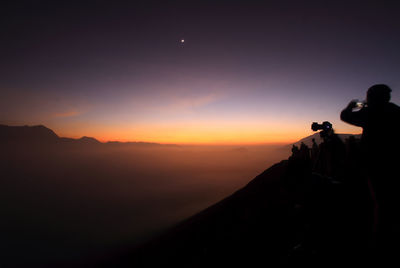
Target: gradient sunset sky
x,y
247,72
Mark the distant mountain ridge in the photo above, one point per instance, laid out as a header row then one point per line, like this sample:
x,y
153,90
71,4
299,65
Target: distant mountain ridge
x,y
27,134
40,134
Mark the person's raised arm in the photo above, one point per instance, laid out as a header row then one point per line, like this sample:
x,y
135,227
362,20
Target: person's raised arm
x,y
354,118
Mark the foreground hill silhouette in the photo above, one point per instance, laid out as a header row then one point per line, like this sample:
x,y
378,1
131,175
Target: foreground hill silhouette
x,y
255,223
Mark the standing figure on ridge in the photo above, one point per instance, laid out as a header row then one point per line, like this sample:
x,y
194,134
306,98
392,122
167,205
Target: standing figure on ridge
x,y
314,150
380,120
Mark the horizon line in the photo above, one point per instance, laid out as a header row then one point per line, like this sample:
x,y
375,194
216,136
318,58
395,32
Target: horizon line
x,y
183,143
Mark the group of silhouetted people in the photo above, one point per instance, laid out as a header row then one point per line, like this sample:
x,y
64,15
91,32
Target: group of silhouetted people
x,y
367,167
303,152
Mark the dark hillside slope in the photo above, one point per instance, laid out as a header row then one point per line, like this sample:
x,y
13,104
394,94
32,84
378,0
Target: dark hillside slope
x,y
253,223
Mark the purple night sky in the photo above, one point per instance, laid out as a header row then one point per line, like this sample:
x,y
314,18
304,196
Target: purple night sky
x,y
248,71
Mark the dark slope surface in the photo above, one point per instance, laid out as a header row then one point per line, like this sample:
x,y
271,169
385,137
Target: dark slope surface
x,y
246,227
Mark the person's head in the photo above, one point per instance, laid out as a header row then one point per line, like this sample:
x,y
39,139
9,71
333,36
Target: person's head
x,y
378,95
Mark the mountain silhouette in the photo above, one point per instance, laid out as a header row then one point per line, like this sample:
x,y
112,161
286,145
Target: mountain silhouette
x,y
83,140
27,134
39,135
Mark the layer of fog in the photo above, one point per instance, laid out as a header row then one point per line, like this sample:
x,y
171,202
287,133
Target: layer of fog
x,y
60,204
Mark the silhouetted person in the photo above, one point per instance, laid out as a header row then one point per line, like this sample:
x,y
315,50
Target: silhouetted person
x,y
331,154
304,151
353,159
314,151
295,151
380,120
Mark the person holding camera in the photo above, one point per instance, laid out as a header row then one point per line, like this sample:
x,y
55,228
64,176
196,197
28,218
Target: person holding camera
x,y
380,121
375,116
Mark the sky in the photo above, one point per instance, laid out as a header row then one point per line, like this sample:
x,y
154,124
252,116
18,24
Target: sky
x,y
248,72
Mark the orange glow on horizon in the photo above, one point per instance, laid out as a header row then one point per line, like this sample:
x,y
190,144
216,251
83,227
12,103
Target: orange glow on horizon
x,y
214,133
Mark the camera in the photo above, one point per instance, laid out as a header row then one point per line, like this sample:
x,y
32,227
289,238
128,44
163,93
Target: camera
x,y
325,126
360,104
